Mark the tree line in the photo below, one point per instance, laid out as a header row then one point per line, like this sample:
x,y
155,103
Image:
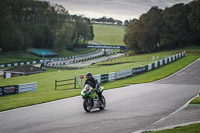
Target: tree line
x,y
105,20
170,28
30,23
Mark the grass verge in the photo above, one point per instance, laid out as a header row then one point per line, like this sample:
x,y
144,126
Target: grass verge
x,y
196,100
193,128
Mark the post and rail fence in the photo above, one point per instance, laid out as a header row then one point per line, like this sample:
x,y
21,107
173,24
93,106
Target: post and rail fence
x,y
70,82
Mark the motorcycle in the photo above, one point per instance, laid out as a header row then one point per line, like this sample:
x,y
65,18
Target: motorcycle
x,y
91,98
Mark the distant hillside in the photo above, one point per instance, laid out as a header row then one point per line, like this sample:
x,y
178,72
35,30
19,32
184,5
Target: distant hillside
x,y
109,34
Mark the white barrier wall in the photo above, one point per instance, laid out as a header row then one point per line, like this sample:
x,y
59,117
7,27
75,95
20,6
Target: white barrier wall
x,y
123,73
27,87
166,61
180,55
129,72
149,67
183,53
176,56
170,59
173,58
161,62
112,76
98,77
156,64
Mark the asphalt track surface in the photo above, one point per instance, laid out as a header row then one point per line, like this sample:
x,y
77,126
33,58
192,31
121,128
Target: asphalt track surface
x,y
128,109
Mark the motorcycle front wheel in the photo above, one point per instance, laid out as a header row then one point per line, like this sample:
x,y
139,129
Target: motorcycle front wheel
x,y
103,104
87,104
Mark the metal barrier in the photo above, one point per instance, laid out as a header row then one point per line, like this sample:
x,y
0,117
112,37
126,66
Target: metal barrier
x,y
65,84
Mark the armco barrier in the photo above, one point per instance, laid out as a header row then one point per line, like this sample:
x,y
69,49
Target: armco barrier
x,y
29,87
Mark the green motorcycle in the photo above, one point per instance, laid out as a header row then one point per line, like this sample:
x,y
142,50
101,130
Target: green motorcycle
x,y
91,98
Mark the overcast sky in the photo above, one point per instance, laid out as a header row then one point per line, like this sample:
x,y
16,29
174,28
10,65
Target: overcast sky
x,y
117,9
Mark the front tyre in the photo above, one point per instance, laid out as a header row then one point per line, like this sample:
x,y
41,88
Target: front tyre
x,y
87,104
103,104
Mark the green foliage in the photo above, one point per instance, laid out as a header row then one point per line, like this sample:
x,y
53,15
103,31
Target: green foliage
x,y
29,23
63,37
10,36
196,100
158,29
82,32
143,36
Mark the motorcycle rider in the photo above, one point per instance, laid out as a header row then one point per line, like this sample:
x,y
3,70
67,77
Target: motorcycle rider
x,y
94,84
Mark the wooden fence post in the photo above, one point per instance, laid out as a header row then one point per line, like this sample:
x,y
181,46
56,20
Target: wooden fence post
x,y
55,84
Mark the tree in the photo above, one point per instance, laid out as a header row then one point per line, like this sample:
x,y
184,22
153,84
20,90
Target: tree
x,y
194,21
144,34
63,37
82,31
11,38
175,32
176,26
30,23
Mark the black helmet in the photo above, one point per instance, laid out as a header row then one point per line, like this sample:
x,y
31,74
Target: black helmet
x,y
88,75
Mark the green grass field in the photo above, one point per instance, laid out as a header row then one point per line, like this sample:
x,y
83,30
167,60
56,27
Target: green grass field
x,y
193,128
196,100
109,34
46,81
